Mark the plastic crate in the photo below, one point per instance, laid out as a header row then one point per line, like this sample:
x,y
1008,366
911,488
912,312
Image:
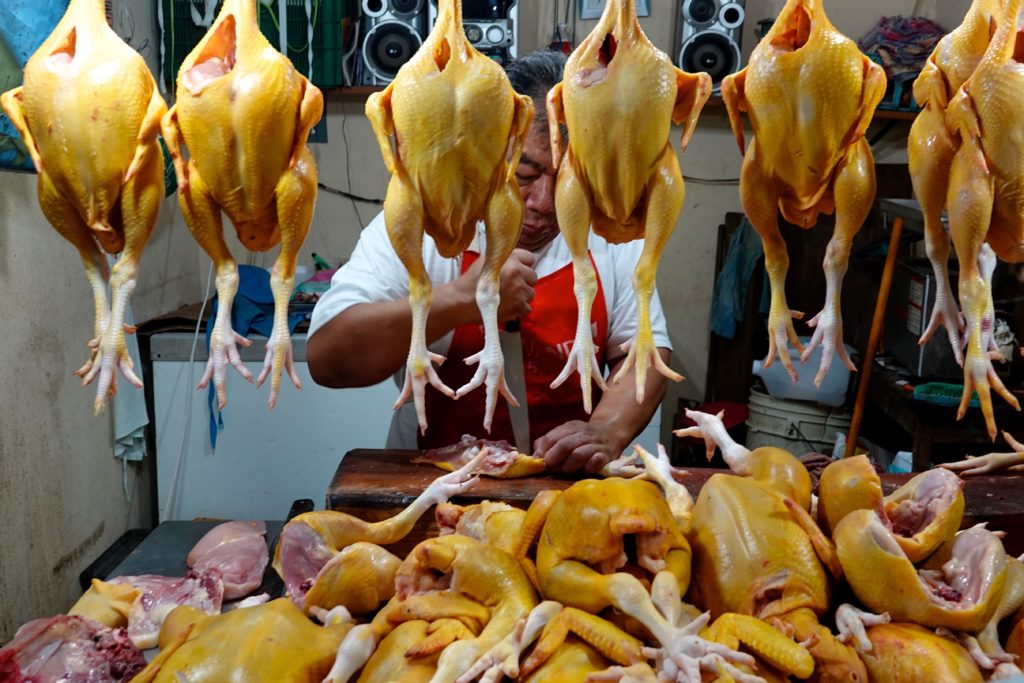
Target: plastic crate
x,y
331,19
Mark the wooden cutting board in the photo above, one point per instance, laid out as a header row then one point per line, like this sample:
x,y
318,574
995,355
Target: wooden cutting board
x,y
376,484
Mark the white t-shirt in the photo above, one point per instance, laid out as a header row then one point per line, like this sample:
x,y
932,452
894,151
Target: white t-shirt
x,y
374,273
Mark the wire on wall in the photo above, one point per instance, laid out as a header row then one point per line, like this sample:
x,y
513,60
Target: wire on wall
x,y
348,171
696,180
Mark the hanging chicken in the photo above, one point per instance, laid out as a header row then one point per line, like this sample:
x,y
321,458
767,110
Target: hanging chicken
x,y
986,197
244,113
89,112
930,150
452,113
810,95
618,173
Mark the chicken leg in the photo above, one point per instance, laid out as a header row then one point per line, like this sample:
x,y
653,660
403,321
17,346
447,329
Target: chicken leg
x,y
970,209
403,214
503,218
854,192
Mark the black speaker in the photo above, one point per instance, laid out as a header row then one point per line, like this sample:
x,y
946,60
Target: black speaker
x,y
392,31
710,38
490,25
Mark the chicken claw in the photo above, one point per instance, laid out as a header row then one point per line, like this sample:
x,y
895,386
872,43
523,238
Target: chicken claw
x,y
828,334
503,659
279,357
851,621
419,372
637,673
992,462
223,351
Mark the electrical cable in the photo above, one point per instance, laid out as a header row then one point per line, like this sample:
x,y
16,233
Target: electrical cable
x,y
189,393
277,25
711,181
348,171
349,195
349,77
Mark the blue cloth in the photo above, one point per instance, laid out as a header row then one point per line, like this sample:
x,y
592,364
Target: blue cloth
x,y
251,311
733,283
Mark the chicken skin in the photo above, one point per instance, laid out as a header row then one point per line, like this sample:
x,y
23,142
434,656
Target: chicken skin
x,y
809,94
88,112
618,174
452,113
244,113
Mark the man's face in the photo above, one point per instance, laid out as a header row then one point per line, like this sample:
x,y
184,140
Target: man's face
x,y
536,179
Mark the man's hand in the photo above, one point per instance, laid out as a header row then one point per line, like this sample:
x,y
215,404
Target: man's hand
x,y
579,445
516,289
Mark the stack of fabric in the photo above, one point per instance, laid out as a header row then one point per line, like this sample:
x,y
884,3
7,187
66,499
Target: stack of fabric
x,y
902,44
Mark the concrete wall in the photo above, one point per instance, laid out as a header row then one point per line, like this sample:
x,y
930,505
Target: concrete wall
x,y
61,498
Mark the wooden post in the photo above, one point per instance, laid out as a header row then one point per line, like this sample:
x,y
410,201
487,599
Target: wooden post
x,y
877,323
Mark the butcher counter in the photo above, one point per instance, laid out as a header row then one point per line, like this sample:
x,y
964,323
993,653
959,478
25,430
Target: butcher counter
x,y
376,484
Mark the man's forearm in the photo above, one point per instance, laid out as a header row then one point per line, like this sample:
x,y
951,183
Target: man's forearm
x,y
367,343
618,406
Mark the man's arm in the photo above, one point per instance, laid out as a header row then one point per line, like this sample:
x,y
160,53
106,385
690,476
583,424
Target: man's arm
x,y
368,342
617,419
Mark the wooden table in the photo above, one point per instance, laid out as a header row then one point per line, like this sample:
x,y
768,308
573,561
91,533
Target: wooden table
x,y
376,484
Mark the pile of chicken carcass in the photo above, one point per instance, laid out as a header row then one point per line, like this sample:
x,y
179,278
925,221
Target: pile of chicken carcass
x,y
624,578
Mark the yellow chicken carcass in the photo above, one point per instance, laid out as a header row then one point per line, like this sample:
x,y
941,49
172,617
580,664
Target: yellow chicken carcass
x,y
923,514
809,94
328,558
452,113
244,113
758,552
962,595
88,113
618,98
267,643
582,562
479,590
986,197
904,652
930,149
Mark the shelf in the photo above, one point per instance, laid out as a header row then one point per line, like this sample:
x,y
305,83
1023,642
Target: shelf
x,y
715,102
354,90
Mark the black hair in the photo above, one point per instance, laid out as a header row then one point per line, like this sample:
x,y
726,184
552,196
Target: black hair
x,y
533,75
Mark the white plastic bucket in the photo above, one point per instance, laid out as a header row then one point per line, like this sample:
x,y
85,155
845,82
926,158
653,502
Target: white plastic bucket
x,y
797,426
833,386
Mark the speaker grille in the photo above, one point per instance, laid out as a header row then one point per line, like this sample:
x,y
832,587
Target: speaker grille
x,y
388,46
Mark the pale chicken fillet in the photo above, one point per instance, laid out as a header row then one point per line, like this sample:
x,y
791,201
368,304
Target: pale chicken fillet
x,y
452,115
810,95
618,174
89,112
986,197
244,113
238,550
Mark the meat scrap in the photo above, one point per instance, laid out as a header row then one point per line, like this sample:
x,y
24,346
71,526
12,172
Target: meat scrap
x,y
69,648
161,594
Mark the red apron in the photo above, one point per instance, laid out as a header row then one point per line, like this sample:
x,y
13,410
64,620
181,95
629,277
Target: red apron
x,y
547,335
